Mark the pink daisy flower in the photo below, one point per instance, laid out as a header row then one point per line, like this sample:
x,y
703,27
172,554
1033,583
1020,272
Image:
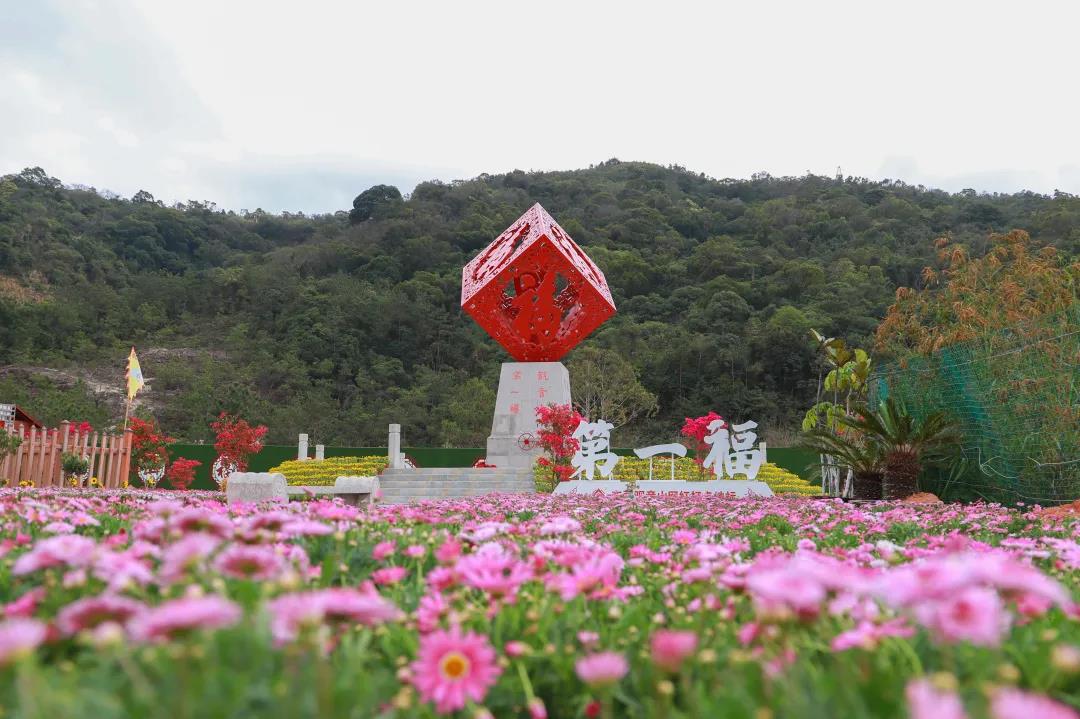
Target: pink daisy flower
x,y
389,575
382,550
975,614
671,648
602,669
196,520
249,562
185,555
494,570
292,614
430,610
358,606
453,667
448,551
71,550
174,617
925,701
1013,703
19,637
91,612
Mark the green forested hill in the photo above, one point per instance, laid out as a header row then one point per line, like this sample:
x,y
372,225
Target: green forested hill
x,y
339,324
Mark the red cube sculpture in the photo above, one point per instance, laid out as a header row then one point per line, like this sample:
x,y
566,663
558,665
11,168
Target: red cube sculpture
x,y
534,290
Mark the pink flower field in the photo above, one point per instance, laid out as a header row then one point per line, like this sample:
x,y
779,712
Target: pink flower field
x,y
170,604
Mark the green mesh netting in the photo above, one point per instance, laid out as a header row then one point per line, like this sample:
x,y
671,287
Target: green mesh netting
x,y
1016,396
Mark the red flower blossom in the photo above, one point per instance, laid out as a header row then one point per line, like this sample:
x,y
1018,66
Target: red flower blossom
x,y
555,426
695,429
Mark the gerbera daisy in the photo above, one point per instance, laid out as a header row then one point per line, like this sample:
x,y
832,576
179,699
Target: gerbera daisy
x,y
453,667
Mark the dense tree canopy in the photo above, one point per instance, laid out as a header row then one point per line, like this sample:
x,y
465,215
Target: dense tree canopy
x,y
336,325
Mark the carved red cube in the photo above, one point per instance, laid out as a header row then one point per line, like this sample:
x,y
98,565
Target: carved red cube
x,y
534,290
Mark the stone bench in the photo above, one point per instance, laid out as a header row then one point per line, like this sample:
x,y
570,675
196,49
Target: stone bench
x,y
253,487
351,490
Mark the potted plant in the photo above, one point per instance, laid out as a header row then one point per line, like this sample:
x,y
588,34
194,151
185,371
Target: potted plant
x,y
76,469
149,451
9,442
905,443
235,442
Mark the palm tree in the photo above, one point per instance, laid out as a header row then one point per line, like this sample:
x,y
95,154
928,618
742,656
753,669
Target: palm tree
x,y
853,451
905,443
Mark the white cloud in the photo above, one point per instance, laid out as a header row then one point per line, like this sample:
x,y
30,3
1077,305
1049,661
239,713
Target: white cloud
x,y
297,105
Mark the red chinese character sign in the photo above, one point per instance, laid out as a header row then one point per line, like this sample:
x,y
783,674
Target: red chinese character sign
x,y
535,291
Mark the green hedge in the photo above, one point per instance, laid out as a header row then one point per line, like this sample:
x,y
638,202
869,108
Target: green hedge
x,y
793,460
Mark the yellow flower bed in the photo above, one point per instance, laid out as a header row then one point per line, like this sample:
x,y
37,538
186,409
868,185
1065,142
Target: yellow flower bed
x,y
319,472
779,479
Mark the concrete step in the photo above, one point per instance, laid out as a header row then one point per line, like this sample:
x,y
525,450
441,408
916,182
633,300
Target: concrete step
x,y
450,486
456,472
455,483
402,486
451,491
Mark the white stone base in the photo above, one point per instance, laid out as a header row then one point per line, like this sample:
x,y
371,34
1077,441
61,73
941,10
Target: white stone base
x,y
585,486
523,386
740,488
250,487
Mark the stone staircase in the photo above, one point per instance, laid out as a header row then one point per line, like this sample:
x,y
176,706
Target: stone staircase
x,y
403,486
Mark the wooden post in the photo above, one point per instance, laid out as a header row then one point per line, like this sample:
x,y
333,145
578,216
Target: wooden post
x,y
114,461
19,459
65,430
30,473
52,443
106,458
94,453
114,476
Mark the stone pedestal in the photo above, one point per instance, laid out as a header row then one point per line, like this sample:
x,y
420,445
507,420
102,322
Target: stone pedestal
x,y
523,386
252,487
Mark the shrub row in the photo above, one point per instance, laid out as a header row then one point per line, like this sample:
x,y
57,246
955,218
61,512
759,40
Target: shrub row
x,y
316,472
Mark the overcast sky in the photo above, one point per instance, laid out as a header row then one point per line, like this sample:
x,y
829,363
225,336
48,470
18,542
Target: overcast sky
x,y
302,105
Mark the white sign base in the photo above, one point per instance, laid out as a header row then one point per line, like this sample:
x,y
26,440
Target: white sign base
x,y
738,487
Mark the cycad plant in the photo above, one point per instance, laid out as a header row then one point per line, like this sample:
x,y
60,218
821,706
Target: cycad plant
x,y
853,452
905,443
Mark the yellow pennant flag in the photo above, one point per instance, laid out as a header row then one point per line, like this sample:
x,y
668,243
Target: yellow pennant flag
x,y
134,376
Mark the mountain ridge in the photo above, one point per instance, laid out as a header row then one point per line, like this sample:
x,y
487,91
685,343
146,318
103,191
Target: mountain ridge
x,y
339,324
